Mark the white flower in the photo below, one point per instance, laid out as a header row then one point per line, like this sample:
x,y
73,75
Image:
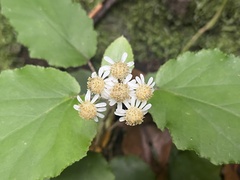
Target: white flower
x,y
144,91
119,69
87,109
134,113
121,92
97,82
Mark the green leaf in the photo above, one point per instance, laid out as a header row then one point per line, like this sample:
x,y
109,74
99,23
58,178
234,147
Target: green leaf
x,y
131,168
40,132
188,166
198,101
82,76
57,30
93,166
116,49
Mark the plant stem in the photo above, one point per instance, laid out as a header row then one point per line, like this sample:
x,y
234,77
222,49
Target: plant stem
x,y
205,28
91,66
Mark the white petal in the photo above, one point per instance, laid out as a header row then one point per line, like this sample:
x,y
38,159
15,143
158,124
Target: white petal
x,y
100,72
130,64
112,102
128,78
147,107
143,104
138,80
152,85
101,109
108,59
119,105
88,95
150,81
132,94
113,79
121,119
95,98
94,74
96,119
124,57
138,103
121,111
79,99
132,84
102,104
132,101
142,78
110,83
76,107
104,94
119,114
126,103
100,115
105,74
106,67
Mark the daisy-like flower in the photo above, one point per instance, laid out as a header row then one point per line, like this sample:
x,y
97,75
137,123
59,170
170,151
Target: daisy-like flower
x,y
119,69
97,82
134,113
122,91
144,91
87,109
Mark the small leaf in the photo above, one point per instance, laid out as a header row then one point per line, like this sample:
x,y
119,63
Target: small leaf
x,y
40,132
93,166
188,166
56,30
116,49
198,101
131,167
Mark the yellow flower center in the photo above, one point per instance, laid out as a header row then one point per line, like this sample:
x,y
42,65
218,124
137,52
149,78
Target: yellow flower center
x,y
144,92
120,92
134,116
96,85
87,110
119,70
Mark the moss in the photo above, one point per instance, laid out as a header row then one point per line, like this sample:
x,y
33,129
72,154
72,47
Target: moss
x,y
8,46
158,30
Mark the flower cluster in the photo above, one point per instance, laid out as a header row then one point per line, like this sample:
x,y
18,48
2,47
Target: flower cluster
x,y
114,82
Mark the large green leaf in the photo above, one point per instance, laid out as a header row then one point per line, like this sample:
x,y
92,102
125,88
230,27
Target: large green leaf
x,y
188,166
56,30
131,168
199,101
116,49
40,132
93,166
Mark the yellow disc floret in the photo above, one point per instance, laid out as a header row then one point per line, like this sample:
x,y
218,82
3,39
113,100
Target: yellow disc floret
x,y
87,110
119,70
144,92
134,116
120,92
96,85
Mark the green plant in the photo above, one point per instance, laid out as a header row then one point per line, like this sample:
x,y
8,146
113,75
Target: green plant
x,y
196,96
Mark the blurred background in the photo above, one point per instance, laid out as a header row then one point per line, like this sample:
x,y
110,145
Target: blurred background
x,y
158,30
